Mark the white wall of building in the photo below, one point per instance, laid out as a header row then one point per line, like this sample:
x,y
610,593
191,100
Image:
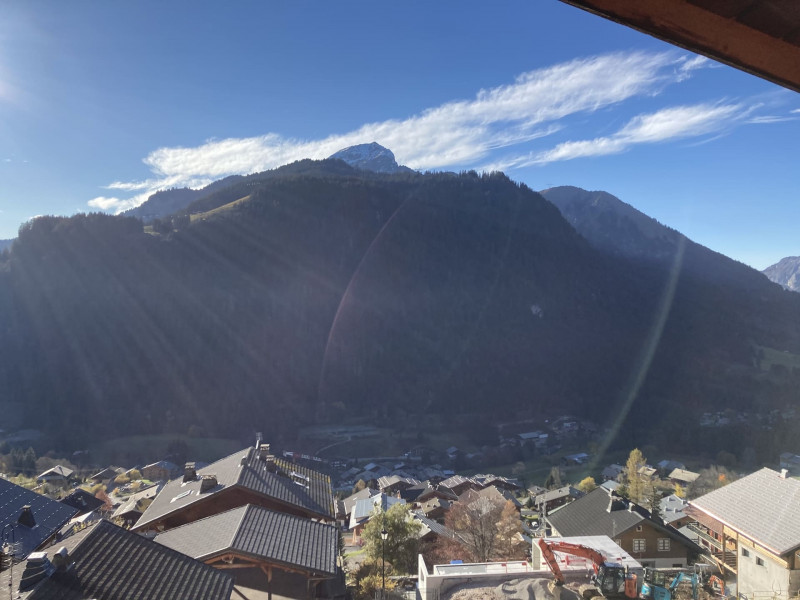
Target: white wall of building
x,y
760,580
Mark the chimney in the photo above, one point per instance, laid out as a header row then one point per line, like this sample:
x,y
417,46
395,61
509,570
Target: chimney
x,y
26,517
37,567
784,473
263,451
61,559
259,438
208,482
189,472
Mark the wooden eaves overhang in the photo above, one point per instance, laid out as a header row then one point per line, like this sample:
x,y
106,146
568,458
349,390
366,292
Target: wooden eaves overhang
x,y
761,37
232,559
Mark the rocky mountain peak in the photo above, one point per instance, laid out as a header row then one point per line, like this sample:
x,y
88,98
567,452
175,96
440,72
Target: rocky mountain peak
x,y
370,157
786,272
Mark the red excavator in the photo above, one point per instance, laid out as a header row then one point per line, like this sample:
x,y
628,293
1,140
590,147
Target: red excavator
x,y
612,579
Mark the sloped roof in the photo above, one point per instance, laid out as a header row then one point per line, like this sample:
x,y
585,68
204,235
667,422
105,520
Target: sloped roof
x,y
112,563
612,471
455,481
49,515
762,506
602,513
82,501
562,492
589,516
672,508
684,475
365,507
261,533
389,480
162,464
293,485
57,471
432,526
108,473
349,502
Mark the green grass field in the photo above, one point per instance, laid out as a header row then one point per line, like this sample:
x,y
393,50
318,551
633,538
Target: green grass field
x,y
770,356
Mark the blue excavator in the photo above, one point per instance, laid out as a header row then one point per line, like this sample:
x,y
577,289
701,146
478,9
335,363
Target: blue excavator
x,y
655,586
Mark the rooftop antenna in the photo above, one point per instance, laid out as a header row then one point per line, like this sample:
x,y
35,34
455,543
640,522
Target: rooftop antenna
x,y
259,439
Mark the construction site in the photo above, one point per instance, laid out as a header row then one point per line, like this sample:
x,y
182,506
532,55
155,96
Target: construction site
x,y
580,568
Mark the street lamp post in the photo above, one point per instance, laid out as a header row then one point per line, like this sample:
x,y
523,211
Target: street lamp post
x,y
384,535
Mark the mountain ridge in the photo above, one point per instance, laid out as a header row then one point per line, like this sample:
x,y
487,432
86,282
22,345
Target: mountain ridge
x,y
786,273
330,293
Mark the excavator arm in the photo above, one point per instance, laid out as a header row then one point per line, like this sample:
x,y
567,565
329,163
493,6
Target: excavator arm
x,y
549,549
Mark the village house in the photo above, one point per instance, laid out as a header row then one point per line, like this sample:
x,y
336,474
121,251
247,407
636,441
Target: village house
x,y
613,472
491,493
751,527
558,497
83,501
458,484
672,511
159,471
345,506
683,477
634,529
33,518
58,476
250,476
105,561
267,552
107,475
365,509
394,483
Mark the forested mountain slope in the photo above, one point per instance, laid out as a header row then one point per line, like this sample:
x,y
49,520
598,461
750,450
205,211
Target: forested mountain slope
x,y
326,294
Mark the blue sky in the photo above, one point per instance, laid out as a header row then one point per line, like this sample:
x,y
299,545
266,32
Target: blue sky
x,y
103,103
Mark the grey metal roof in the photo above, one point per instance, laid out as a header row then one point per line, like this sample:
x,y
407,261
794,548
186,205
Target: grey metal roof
x,y
261,533
57,471
672,508
589,515
112,563
366,506
455,481
762,506
82,501
349,503
602,513
432,526
293,485
49,516
562,492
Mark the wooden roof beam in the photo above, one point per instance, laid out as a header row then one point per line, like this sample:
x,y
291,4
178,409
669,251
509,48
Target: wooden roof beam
x,y
700,30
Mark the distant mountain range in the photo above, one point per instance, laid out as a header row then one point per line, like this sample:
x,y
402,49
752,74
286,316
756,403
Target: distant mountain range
x,y
786,272
369,157
322,293
5,244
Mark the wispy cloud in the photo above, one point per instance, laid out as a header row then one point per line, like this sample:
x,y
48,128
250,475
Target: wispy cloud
x,y
668,124
767,119
117,204
458,133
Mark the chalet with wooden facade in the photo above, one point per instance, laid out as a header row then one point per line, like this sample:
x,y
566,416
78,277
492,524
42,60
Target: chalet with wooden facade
x,y
267,552
250,476
751,527
646,538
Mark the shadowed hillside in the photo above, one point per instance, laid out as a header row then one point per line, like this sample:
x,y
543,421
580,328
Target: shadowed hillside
x,y
329,294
